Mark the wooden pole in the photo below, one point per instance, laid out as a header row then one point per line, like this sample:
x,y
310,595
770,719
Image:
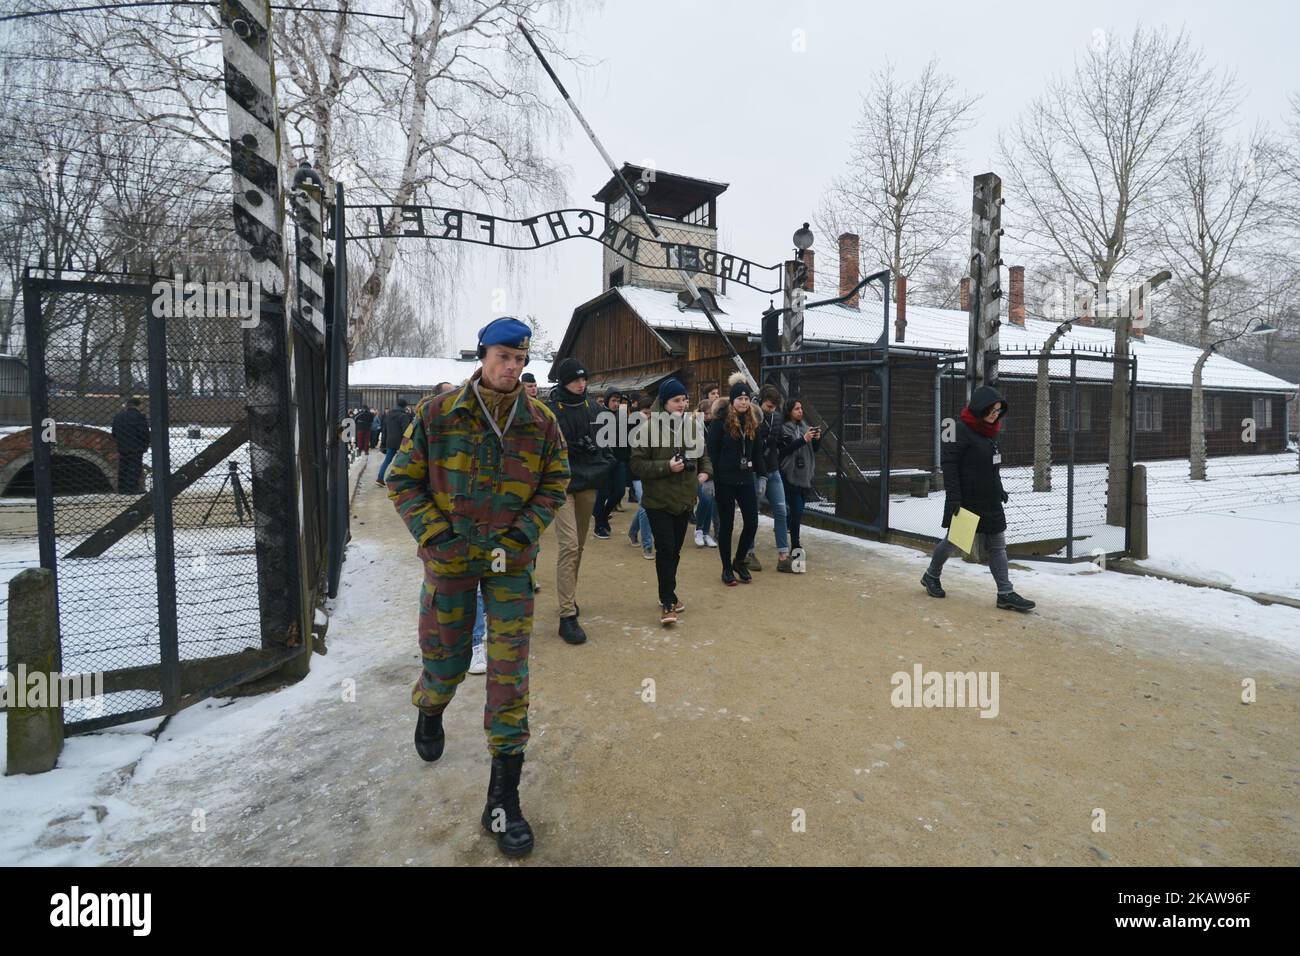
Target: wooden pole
x,y
986,298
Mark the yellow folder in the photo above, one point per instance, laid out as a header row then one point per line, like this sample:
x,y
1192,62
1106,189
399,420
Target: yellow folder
x,y
961,530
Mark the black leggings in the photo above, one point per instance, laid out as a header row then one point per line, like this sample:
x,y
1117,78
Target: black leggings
x,y
795,498
669,531
728,496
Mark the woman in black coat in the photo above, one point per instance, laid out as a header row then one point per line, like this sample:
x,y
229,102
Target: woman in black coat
x,y
733,447
972,479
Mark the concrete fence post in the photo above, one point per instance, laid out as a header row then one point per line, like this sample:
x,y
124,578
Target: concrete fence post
x,y
1137,516
35,733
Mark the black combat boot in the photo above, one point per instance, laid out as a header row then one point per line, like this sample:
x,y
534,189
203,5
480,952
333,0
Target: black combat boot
x,y
429,738
1012,601
502,816
572,631
932,585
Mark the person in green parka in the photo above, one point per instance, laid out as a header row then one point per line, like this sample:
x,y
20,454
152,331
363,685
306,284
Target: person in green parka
x,y
670,472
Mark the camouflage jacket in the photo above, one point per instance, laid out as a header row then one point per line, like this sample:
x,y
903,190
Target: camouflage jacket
x,y
451,473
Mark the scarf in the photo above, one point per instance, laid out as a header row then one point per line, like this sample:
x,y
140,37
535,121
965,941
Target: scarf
x,y
979,425
499,403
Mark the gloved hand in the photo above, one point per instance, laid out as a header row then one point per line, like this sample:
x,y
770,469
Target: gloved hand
x,y
439,542
1005,497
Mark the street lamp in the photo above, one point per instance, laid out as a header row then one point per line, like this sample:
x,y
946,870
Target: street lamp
x,y
803,240
1196,450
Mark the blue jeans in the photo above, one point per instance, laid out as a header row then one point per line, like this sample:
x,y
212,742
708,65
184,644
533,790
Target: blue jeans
x,y
480,622
706,514
776,501
388,458
641,520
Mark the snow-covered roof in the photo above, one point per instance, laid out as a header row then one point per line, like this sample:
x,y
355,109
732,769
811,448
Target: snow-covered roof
x,y
394,372
1159,361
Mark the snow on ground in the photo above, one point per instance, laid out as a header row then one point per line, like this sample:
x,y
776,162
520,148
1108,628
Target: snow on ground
x,y
55,818
58,818
1251,549
1164,615
1247,508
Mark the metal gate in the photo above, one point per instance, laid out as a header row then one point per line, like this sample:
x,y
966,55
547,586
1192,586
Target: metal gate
x,y
886,417
152,539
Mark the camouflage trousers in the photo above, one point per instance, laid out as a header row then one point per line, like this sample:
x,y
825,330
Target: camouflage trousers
x,y
447,606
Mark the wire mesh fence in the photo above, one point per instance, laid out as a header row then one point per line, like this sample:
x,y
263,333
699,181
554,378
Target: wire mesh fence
x,y
886,423
150,578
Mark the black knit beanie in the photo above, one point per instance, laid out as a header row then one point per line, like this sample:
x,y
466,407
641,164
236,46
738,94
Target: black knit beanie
x,y
568,370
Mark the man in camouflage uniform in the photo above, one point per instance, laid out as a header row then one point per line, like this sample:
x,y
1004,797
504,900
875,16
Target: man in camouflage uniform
x,y
477,479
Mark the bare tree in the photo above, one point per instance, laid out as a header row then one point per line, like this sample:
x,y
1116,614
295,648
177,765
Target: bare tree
x,y
1218,211
440,109
1089,160
895,193
937,282
401,324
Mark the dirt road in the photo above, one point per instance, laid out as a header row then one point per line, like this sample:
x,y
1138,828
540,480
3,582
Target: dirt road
x,y
772,707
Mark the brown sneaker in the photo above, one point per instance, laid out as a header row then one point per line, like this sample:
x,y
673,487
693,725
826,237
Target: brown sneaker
x,y
667,615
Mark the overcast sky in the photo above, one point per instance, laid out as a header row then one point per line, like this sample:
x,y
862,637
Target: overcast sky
x,y
714,89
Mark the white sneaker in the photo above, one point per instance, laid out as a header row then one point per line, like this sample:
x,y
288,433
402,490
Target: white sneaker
x,y
478,663
699,538
708,540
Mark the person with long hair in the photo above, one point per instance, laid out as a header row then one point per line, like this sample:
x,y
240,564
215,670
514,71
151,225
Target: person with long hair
x,y
797,454
770,485
733,448
972,479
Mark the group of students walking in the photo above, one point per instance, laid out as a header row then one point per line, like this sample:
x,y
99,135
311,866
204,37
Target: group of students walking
x,y
721,458
750,452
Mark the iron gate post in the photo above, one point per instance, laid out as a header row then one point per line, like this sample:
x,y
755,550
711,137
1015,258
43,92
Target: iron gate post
x,y
1069,468
337,376
884,444
164,546
38,383
1132,454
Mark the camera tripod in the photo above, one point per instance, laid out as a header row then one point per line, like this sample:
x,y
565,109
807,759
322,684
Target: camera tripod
x,y
237,489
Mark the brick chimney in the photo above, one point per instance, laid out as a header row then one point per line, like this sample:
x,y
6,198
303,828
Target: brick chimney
x,y
849,267
808,261
1016,309
900,315
964,286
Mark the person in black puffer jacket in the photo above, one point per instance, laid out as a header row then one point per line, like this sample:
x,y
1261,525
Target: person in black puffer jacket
x,y
589,465
395,420
972,479
611,492
733,447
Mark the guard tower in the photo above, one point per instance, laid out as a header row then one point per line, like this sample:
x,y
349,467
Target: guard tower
x,y
684,210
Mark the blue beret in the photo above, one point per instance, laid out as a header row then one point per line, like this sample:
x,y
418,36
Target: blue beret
x,y
505,331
